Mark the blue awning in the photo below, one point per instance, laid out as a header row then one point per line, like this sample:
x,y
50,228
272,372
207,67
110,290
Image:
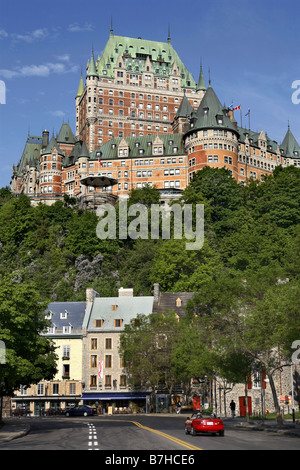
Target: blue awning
x,y
114,396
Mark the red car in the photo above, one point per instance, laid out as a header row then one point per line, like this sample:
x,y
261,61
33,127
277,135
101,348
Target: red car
x,y
199,422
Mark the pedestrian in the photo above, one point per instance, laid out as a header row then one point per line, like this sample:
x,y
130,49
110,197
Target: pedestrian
x,y
232,407
179,407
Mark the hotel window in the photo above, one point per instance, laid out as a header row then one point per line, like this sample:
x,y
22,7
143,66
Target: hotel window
x,y
98,323
93,381
40,389
108,343
94,343
93,361
72,389
108,381
123,380
108,361
55,389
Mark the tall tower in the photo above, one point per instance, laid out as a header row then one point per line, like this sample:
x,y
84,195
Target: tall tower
x,y
91,116
212,139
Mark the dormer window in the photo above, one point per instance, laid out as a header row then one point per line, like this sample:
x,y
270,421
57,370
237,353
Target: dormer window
x,y
64,315
205,110
178,302
114,307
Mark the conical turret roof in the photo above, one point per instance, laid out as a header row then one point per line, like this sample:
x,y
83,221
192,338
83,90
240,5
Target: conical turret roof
x,y
80,87
211,114
290,146
201,83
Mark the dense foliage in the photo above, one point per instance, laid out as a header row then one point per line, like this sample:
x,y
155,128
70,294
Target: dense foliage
x,y
251,247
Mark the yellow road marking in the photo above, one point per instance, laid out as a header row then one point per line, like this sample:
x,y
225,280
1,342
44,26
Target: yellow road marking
x,y
167,436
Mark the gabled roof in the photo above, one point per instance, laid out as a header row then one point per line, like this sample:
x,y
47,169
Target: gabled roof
x,y
110,149
136,52
127,308
31,153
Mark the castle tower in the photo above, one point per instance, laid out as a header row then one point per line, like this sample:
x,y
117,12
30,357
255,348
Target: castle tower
x,y
212,139
51,170
91,116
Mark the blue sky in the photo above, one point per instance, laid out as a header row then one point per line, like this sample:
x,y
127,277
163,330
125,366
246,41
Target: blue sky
x,y
251,47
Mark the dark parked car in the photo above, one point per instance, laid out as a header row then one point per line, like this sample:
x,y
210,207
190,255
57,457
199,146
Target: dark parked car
x,y
81,410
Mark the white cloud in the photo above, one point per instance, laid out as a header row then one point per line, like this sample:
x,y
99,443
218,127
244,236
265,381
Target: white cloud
x,y
3,34
42,70
36,35
76,27
57,113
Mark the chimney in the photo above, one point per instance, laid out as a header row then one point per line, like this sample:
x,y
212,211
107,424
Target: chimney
x,y
156,288
45,139
125,292
90,295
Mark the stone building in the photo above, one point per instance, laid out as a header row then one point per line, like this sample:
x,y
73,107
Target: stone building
x,y
104,377
65,389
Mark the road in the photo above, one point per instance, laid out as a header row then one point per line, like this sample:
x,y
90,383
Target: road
x,y
115,435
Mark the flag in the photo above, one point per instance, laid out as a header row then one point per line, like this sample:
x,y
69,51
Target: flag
x,y
231,106
248,114
236,108
100,162
100,370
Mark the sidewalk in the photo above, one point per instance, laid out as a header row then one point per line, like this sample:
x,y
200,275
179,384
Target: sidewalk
x,y
13,430
288,428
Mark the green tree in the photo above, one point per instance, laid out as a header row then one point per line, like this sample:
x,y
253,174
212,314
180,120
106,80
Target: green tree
x,y
29,356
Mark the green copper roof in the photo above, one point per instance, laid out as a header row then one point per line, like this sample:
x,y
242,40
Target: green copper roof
x,y
66,135
201,83
31,153
92,72
185,108
52,144
290,146
138,144
211,114
135,53
80,88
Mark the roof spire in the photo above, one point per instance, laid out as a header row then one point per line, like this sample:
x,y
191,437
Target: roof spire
x,y
169,35
111,26
201,83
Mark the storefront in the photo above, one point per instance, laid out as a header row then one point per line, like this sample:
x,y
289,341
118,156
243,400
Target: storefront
x,y
118,403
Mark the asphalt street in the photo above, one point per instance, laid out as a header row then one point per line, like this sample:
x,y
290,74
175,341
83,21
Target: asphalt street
x,y
113,434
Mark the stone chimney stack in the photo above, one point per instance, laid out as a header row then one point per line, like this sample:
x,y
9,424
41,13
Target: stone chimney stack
x,y
125,292
156,288
90,295
45,139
